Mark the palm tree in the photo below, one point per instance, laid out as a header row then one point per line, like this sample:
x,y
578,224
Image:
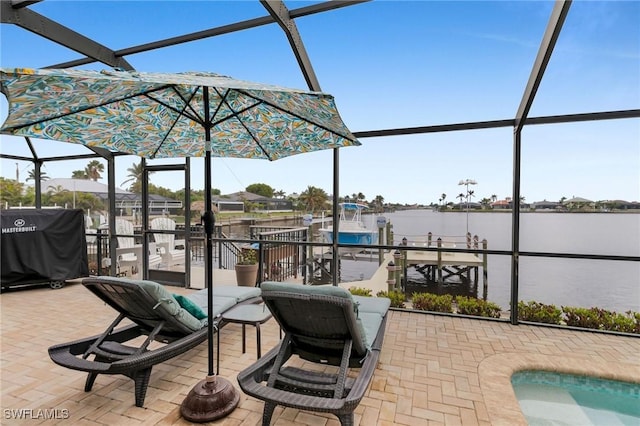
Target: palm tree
x,y
79,174
470,194
378,202
313,198
93,170
57,190
494,198
360,197
32,175
461,196
135,177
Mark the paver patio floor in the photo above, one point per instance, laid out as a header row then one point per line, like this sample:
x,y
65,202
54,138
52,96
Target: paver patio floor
x,y
432,370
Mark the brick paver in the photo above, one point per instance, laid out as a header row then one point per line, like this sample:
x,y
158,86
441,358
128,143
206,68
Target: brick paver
x,y
432,370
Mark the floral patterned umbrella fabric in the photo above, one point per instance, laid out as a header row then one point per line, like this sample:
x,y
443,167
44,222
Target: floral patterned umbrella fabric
x,y
156,115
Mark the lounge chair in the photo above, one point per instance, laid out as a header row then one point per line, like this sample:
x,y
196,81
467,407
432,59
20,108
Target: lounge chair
x,y
155,313
322,324
171,249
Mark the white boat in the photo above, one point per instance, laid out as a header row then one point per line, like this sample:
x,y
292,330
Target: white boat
x,y
351,229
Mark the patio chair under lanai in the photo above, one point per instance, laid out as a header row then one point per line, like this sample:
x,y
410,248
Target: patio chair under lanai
x,y
172,324
325,325
170,249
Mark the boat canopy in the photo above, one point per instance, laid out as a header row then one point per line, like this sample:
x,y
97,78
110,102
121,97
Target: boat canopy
x,y
353,206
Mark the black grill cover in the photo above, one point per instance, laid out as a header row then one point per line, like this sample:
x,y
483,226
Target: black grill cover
x,y
42,245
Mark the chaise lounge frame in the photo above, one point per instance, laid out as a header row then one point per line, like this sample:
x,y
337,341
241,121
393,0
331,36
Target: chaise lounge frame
x,y
106,353
322,329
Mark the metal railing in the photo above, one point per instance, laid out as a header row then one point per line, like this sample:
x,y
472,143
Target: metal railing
x,y
280,258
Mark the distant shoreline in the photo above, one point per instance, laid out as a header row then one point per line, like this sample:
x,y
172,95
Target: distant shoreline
x,y
637,211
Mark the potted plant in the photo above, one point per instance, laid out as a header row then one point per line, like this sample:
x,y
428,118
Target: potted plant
x,y
247,268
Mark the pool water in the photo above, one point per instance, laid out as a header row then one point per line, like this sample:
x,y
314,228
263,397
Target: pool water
x,y
548,398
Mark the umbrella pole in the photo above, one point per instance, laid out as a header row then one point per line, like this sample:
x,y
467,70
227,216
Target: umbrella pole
x,y
214,397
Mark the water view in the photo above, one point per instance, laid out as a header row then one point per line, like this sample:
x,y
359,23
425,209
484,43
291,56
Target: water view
x,y
612,285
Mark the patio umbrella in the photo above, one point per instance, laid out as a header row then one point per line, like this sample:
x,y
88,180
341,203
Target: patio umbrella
x,y
156,115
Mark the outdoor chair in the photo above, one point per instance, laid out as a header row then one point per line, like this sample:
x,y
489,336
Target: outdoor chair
x,y
129,254
171,249
172,325
90,232
324,325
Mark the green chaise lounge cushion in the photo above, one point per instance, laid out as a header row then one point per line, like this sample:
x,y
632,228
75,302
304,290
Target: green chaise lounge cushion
x,y
224,297
369,312
165,302
239,293
378,305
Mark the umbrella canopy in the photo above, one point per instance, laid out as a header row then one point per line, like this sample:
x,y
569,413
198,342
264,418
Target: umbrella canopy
x,y
172,115
156,115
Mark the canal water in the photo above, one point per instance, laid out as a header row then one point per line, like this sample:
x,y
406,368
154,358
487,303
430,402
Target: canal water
x,y
612,285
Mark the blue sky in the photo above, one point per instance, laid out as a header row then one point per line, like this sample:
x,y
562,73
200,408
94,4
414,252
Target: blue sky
x,y
392,64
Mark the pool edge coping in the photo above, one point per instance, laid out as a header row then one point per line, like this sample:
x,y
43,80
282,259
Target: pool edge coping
x,y
495,374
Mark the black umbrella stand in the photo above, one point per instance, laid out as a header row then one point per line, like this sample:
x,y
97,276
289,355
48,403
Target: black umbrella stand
x,y
213,397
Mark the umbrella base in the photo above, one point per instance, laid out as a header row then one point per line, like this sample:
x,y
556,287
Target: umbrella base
x,y
211,399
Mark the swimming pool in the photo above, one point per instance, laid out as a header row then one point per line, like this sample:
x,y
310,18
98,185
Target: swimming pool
x,y
548,398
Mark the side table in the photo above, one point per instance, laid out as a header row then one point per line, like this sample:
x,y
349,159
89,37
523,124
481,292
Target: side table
x,y
254,314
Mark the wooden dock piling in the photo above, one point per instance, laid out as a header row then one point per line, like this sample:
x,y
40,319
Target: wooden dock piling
x,y
391,281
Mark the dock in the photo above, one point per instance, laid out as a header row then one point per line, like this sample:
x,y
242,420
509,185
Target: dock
x,y
437,268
